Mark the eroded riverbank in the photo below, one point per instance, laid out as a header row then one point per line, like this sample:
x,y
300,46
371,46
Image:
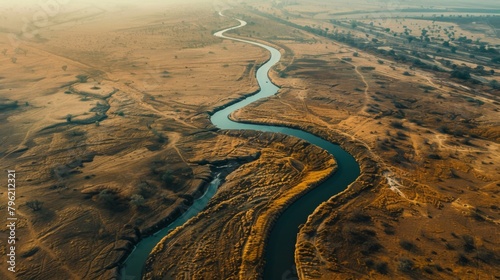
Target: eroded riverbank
x,y
247,255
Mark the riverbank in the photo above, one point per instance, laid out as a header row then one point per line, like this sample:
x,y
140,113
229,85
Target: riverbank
x,y
243,207
257,231
110,157
427,213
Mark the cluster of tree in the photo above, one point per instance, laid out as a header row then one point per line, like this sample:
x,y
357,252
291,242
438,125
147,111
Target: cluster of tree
x,y
463,73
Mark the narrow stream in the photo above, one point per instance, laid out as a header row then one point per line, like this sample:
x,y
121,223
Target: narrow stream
x,y
134,264
281,244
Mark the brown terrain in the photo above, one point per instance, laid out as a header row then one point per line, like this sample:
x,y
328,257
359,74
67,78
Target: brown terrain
x,y
105,118
426,209
99,113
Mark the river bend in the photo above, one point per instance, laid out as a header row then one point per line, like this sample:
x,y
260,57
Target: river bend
x,y
280,247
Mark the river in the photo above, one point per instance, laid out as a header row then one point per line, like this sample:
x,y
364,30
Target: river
x,y
280,249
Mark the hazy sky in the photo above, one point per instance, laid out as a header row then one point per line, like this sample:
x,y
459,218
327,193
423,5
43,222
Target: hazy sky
x,y
59,5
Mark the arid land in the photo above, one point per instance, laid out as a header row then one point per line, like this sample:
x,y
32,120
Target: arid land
x,y
427,141
99,113
105,121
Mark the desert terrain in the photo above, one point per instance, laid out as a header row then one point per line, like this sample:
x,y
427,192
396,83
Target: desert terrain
x,y
96,112
428,209
105,118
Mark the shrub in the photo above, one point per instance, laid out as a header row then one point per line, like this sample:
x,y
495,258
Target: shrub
x,y
494,84
428,270
146,190
382,268
82,78
397,124
359,217
462,260
468,243
485,255
388,229
371,247
35,205
401,135
408,246
167,177
107,197
444,129
137,200
405,265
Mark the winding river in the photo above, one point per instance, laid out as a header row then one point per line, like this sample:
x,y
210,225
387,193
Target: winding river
x,y
279,254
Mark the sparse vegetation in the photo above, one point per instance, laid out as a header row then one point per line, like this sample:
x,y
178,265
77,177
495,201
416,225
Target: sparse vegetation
x,y
167,177
336,82
82,78
397,124
137,200
408,246
406,265
35,205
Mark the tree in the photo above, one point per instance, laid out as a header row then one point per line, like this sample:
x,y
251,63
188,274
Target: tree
x,y
494,84
69,117
35,205
463,74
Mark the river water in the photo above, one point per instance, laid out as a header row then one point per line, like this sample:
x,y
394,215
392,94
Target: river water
x,y
279,254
